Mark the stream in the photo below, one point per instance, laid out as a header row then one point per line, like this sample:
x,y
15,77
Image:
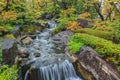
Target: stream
x,y
49,65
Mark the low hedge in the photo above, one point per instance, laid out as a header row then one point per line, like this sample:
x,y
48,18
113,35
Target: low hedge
x,y
102,34
104,47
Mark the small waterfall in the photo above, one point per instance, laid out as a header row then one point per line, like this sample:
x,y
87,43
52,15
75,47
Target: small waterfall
x,y
49,65
60,71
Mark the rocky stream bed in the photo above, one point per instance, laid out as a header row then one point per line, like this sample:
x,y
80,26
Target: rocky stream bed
x,y
46,57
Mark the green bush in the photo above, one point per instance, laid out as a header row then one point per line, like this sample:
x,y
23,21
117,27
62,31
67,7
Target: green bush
x,y
7,73
74,47
0,52
9,27
106,48
102,34
62,22
109,26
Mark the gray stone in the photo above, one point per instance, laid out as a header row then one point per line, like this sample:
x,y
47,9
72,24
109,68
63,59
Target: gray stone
x,y
85,23
61,39
27,40
117,4
37,54
23,53
93,67
9,51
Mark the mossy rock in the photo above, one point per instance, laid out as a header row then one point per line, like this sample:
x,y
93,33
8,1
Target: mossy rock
x,y
10,36
31,29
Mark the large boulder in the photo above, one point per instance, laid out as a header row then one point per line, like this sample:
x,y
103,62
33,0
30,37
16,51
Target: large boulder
x,y
85,23
9,51
93,67
61,39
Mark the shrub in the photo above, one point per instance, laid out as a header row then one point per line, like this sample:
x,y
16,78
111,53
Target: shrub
x,y
85,15
8,73
109,26
6,28
0,52
74,47
102,34
3,29
68,12
72,25
10,36
103,26
62,23
116,25
9,16
106,48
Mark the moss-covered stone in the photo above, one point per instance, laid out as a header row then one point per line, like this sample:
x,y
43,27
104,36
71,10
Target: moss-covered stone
x,y
31,29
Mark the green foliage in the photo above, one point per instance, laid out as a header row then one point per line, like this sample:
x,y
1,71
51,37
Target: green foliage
x,y
62,22
9,27
106,48
7,73
3,29
102,34
111,27
79,6
116,25
118,68
10,36
53,10
74,47
0,52
31,29
6,28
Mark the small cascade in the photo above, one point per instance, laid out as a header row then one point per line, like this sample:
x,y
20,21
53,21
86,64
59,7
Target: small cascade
x,y
49,65
60,71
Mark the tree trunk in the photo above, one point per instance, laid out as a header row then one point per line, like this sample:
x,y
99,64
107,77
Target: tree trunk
x,y
97,8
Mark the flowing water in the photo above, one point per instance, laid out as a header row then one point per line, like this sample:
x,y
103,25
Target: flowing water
x,y
49,66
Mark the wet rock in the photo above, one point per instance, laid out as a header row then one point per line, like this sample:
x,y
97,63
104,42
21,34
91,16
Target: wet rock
x,y
38,24
23,53
32,36
17,31
85,23
93,67
9,51
37,54
18,60
46,16
22,37
73,58
27,41
49,16
61,39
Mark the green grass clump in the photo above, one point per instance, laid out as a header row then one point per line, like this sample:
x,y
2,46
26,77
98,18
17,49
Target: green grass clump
x,y
106,48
